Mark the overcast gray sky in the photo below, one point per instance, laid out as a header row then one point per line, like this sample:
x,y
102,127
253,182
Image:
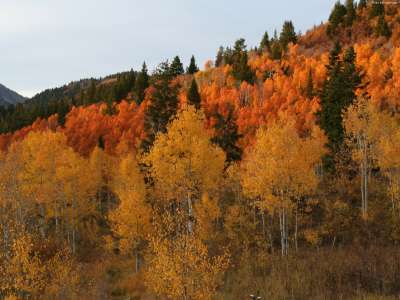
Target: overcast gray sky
x,y
46,43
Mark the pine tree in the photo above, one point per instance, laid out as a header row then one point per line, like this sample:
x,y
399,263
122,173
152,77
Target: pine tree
x,y
362,4
265,42
220,57
110,109
336,18
227,136
100,142
192,66
276,50
176,67
377,8
141,84
309,86
163,104
337,94
351,76
382,28
240,69
288,35
91,93
350,12
193,95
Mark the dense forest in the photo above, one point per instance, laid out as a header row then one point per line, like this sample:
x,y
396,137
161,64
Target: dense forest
x,y
273,171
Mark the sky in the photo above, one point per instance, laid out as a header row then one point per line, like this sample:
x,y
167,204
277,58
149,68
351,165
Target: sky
x,y
48,43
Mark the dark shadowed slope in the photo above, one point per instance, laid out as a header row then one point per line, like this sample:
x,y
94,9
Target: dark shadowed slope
x,y
8,96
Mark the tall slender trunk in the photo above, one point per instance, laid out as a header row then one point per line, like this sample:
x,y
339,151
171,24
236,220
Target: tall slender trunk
x,y
283,221
263,224
270,233
56,217
281,230
137,261
190,214
364,169
73,219
296,225
284,226
42,221
285,215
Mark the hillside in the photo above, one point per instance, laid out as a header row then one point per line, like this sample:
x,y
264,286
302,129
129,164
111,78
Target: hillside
x,y
9,97
272,171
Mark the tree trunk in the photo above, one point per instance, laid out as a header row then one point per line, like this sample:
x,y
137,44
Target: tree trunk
x,y
190,214
296,225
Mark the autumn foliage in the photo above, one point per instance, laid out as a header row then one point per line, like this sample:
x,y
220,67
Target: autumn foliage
x,y
215,184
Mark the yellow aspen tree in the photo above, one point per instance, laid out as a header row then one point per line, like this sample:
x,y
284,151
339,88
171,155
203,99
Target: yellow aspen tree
x,y
39,154
281,167
13,208
63,273
131,219
182,268
388,157
101,165
207,214
239,218
184,163
78,188
22,272
362,127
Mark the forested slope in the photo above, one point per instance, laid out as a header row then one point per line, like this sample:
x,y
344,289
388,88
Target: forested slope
x,y
273,170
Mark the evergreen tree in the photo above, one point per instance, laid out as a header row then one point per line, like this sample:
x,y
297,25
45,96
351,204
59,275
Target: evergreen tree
x,y
163,104
110,109
265,42
240,69
176,67
362,4
193,95
192,66
276,50
82,100
129,82
337,94
91,93
382,28
377,8
228,58
309,86
227,136
100,142
336,18
351,76
141,84
239,47
288,35
350,12
220,57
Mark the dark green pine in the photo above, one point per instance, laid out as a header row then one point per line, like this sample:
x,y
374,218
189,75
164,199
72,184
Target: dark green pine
x,y
141,84
192,66
193,95
176,67
163,104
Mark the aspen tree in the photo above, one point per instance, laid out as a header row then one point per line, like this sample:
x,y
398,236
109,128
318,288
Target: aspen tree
x,y
280,168
180,266
131,219
362,127
184,163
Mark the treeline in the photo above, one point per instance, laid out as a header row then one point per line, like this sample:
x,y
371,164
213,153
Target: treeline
x,y
180,221
273,177
129,85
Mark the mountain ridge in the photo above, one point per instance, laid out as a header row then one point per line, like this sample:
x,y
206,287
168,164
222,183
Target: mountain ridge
x,y
10,97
